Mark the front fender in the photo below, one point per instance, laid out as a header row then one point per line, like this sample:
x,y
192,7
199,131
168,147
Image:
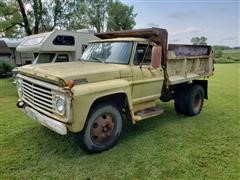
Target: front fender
x,y
84,96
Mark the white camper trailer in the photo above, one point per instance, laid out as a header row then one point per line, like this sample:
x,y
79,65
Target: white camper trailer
x,y
57,45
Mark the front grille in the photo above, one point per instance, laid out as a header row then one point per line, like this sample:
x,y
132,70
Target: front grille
x,y
38,96
41,96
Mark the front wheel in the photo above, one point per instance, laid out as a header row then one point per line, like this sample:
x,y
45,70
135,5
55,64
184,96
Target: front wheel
x,y
102,129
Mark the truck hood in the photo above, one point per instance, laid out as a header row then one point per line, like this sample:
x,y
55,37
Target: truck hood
x,y
79,72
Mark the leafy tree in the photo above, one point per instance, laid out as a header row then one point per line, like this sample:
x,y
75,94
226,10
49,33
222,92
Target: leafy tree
x,y
34,16
217,51
109,15
120,16
96,13
11,22
26,17
77,17
199,40
5,68
222,47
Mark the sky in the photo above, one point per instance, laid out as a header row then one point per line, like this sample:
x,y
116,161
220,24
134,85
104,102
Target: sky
x,y
218,20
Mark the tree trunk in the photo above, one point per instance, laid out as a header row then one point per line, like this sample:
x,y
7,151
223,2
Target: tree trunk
x,y
25,19
36,13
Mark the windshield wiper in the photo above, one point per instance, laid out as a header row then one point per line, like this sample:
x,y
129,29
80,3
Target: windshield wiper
x,y
95,58
82,60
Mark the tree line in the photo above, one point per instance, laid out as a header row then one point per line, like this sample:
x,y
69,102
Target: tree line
x,y
26,17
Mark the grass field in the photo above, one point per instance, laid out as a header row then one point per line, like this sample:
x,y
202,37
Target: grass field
x,y
170,146
229,56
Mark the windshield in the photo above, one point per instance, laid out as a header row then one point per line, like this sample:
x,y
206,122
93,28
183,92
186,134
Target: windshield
x,y
44,58
108,52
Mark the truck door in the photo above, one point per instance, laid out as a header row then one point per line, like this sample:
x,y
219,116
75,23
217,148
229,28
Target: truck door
x,y
147,81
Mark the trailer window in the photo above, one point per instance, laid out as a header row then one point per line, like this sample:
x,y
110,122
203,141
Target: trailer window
x,y
44,58
139,55
64,40
62,58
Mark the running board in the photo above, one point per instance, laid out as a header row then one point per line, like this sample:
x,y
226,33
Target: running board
x,y
147,113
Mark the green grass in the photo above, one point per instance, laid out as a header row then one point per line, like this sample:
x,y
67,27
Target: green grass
x,y
170,146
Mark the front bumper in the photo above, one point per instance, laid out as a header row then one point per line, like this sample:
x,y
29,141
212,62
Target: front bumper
x,y
50,123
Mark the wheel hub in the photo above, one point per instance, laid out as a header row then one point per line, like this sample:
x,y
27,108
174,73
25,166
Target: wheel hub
x,y
197,102
102,128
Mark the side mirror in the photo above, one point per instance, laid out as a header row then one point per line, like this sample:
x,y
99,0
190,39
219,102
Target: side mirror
x,y
156,56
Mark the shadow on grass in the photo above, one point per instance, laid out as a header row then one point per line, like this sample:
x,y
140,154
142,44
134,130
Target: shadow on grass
x,y
154,124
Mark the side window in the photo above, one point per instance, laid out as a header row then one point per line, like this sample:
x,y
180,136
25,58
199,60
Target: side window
x,y
84,46
62,58
141,50
64,40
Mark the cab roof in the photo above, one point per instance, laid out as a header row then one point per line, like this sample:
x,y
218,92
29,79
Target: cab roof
x,y
123,39
156,35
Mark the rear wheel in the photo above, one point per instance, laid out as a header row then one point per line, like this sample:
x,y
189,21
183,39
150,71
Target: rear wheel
x,y
180,100
102,129
194,100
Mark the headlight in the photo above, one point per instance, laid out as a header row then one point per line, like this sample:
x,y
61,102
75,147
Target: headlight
x,y
19,87
60,104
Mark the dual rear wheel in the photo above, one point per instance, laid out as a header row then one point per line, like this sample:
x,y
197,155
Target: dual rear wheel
x,y
189,100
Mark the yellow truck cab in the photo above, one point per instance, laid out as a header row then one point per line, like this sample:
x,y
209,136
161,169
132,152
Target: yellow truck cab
x,y
118,77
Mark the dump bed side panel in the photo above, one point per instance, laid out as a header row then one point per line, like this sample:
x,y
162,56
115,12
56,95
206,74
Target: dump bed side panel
x,y
188,62
182,50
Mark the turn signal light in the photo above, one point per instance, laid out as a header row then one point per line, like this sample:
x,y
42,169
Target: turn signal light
x,y
70,83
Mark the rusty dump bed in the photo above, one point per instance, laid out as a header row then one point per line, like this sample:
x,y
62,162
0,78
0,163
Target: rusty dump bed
x,y
188,62
183,50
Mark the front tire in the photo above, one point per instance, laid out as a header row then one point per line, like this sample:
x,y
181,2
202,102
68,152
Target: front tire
x,y
102,129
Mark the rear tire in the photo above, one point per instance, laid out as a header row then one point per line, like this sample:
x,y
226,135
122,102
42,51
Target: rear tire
x,y
102,129
180,100
194,100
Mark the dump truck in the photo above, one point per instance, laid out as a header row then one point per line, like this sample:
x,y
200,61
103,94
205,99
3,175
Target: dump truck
x,y
118,78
